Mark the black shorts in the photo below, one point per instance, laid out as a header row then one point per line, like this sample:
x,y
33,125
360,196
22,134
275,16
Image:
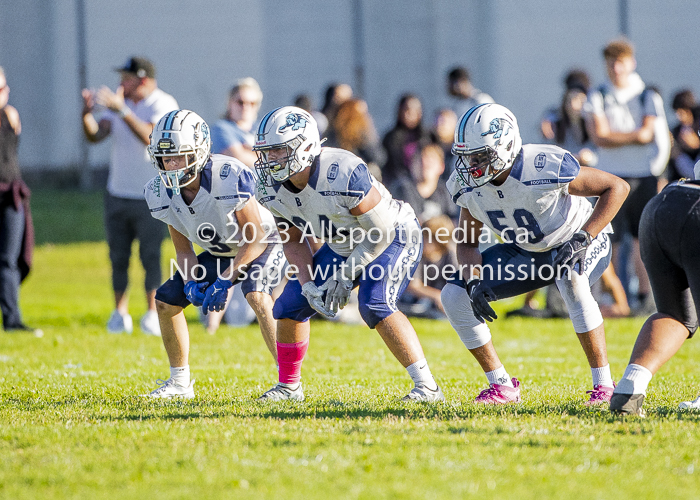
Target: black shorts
x,y
669,239
627,219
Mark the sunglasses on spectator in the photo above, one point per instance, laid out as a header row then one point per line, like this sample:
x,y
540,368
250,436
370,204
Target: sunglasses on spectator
x,y
242,103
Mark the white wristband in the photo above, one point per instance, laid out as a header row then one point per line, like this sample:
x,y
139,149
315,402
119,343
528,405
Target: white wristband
x,y
125,111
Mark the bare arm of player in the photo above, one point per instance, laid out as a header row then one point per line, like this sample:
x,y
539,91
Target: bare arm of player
x,y
601,135
250,222
610,190
297,250
184,253
468,255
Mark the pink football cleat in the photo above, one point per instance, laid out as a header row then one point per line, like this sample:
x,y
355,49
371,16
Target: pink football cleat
x,y
600,395
498,394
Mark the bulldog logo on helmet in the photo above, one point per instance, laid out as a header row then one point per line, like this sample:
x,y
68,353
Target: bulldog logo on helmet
x,y
294,120
498,127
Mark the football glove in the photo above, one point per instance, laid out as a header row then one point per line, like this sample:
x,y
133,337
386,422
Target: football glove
x,y
216,296
573,252
337,290
314,295
480,294
195,292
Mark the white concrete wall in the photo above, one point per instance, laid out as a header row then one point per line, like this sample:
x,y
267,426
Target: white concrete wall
x,y
517,51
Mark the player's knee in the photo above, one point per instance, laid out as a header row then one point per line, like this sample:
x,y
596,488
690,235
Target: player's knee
x,y
472,332
583,309
451,295
165,309
260,302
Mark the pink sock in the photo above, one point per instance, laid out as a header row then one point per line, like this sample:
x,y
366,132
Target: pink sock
x,y
290,357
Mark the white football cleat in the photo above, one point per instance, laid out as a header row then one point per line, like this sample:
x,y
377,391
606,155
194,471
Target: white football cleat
x,y
283,392
149,324
690,405
119,323
421,394
169,389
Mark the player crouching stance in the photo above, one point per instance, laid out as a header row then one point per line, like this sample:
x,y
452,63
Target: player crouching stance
x,y
370,239
208,200
533,197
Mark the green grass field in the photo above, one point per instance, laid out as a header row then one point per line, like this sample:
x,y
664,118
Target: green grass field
x,y
72,424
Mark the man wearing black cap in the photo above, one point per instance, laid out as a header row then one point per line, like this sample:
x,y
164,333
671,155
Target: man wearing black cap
x,y
129,114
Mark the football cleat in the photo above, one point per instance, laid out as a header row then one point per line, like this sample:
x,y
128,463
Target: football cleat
x,y
169,389
119,323
600,395
690,405
283,392
149,324
421,394
498,394
627,404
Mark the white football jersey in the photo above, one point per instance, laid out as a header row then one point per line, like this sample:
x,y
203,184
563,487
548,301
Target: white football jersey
x,y
210,220
338,183
533,207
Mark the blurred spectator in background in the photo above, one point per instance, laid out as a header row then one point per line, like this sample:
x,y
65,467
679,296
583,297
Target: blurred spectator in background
x,y
422,297
129,116
336,94
16,230
443,135
465,95
565,125
686,143
233,136
423,187
403,142
625,120
305,102
353,130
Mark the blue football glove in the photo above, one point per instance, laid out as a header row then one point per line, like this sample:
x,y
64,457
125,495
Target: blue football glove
x,y
573,252
195,292
216,296
481,294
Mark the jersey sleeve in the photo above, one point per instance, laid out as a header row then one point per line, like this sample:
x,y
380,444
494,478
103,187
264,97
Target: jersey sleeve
x,y
568,169
239,191
359,186
653,104
157,198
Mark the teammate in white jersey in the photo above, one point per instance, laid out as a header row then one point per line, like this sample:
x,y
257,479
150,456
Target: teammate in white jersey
x,y
208,200
533,197
371,241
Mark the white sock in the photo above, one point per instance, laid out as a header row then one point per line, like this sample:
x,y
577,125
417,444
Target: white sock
x,y
602,376
180,375
499,376
635,380
420,373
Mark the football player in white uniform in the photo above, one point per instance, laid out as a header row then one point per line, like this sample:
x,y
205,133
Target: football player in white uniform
x,y
208,200
371,241
533,197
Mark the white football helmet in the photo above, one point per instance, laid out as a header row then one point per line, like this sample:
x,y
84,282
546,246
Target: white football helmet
x,y
180,132
487,140
291,128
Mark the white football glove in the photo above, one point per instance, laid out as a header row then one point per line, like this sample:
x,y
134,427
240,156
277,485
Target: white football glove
x,y
314,295
337,290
